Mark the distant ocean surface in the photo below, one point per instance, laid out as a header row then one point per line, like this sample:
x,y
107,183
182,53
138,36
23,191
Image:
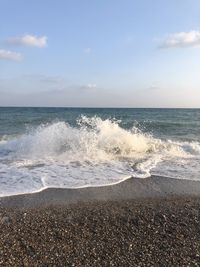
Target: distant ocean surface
x,y
78,147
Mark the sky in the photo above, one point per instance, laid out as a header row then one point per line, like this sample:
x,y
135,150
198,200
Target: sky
x,y
100,53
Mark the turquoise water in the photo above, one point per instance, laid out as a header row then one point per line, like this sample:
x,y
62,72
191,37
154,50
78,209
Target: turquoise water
x,y
76,147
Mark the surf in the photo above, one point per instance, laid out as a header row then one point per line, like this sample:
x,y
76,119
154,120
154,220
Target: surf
x,y
94,152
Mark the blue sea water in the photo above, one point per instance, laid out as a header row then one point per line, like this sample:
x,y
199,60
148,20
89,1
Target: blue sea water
x,y
77,147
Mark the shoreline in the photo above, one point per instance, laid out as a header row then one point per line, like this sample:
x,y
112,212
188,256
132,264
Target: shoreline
x,y
67,188
132,188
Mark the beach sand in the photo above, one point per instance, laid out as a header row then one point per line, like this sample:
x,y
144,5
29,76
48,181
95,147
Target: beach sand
x,y
139,222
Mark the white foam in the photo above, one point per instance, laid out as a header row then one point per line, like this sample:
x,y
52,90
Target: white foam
x,y
97,152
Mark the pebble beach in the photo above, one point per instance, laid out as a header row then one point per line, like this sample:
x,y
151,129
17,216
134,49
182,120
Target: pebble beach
x,y
154,232
66,228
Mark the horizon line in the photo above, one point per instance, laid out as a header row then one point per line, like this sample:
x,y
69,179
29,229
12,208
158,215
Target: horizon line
x,y
88,107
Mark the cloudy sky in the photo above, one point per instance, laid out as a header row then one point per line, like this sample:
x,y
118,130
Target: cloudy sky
x,y
105,53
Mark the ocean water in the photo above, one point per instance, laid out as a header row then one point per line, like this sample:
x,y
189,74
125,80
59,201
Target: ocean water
x,y
78,147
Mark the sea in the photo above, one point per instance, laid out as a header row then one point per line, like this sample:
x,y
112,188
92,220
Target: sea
x,y
84,147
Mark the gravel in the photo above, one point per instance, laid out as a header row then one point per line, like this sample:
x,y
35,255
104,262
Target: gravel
x,y
151,232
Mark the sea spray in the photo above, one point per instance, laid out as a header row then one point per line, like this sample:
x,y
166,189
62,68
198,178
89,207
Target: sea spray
x,y
94,152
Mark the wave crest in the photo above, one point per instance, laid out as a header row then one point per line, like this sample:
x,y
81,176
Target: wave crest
x,y
95,139
95,152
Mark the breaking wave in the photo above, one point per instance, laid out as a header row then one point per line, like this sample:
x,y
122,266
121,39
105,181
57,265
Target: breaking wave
x,y
95,152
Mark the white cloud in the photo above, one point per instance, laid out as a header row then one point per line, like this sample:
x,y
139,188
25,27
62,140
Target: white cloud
x,y
91,85
86,87
154,86
181,39
9,55
29,40
87,50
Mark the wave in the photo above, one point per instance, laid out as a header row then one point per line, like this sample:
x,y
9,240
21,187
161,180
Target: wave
x,y
94,139
95,152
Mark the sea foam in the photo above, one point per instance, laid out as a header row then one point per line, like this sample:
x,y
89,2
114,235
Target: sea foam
x,y
95,152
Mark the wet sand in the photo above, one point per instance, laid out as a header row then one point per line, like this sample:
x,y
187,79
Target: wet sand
x,y
139,222
133,188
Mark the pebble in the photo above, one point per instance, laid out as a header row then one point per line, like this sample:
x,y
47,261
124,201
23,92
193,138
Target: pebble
x,y
157,232
5,220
